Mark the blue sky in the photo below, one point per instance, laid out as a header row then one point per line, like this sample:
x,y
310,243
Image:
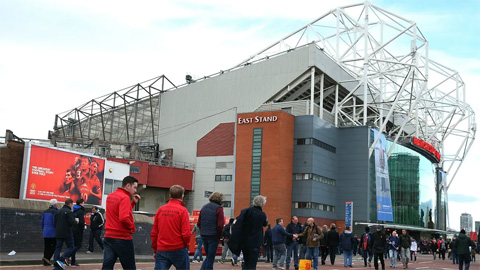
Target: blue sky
x,y
56,55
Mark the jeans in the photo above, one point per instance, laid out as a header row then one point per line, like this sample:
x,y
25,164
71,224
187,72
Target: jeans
x,y
95,234
118,248
68,252
333,253
376,257
312,254
463,258
210,244
303,251
393,253
49,247
225,250
179,259
198,251
404,254
293,247
268,249
347,257
454,257
77,240
250,258
279,252
367,253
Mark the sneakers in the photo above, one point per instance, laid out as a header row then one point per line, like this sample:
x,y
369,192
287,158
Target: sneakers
x,y
195,261
233,262
67,261
89,252
46,262
60,264
280,268
75,265
221,261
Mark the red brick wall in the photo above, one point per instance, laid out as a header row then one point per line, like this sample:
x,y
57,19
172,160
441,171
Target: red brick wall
x,y
276,168
11,161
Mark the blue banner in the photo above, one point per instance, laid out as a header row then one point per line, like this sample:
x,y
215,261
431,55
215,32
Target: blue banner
x,y
348,214
384,199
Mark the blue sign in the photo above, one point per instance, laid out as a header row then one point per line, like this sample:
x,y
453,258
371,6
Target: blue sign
x,y
384,200
348,213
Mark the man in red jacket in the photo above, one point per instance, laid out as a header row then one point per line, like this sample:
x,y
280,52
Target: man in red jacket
x,y
171,232
119,225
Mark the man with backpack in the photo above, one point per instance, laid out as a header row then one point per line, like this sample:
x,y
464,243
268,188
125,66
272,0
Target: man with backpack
x,y
79,213
366,247
442,248
346,243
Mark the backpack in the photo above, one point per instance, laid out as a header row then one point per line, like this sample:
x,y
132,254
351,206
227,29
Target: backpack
x,y
443,245
366,239
235,244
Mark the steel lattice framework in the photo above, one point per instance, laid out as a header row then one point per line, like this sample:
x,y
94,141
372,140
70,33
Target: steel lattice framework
x,y
388,57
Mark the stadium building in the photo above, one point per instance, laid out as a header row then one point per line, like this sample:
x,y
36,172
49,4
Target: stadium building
x,y
346,117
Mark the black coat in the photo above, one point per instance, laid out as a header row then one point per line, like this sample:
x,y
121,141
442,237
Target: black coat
x,y
79,212
293,229
379,241
252,231
333,238
64,221
267,239
96,221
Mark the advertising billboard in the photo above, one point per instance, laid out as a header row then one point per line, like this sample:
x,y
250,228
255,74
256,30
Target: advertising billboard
x,y
384,200
52,173
349,214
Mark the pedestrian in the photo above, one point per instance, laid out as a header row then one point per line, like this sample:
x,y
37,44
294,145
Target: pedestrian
x,y
197,256
48,227
211,221
252,232
64,222
313,234
366,247
393,249
79,213
96,227
324,245
442,248
302,242
434,247
171,232
119,225
413,250
378,246
332,241
405,243
292,244
346,243
226,237
279,235
453,246
463,244
267,244
355,244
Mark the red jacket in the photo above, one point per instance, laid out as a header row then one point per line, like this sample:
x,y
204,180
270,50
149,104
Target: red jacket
x,y
119,217
171,228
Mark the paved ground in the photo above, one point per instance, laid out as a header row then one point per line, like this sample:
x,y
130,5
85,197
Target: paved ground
x,y
93,261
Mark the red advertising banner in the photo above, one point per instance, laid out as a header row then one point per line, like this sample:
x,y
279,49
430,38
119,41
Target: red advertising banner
x,y
57,174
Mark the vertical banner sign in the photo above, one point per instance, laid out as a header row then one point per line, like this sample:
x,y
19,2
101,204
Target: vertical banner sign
x,y
384,200
349,214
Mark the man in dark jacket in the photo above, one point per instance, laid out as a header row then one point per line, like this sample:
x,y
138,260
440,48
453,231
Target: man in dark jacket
x,y
379,243
79,212
404,242
64,221
279,235
462,245
332,241
346,243
453,246
252,232
96,227
324,245
292,245
211,221
48,226
267,243
226,237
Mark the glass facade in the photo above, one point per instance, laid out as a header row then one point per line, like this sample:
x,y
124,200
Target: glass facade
x,y
412,187
256,162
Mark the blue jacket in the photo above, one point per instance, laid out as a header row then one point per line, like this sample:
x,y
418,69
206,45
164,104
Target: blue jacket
x,y
279,235
48,222
208,220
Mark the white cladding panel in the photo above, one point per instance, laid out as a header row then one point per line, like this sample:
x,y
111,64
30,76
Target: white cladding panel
x,y
246,88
